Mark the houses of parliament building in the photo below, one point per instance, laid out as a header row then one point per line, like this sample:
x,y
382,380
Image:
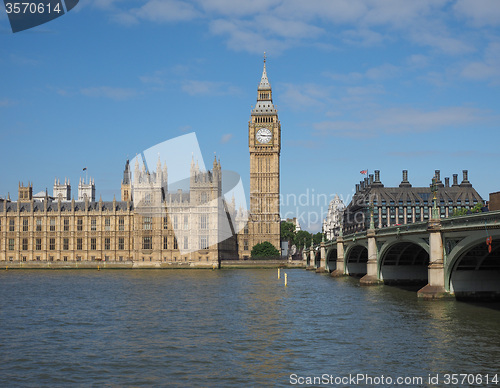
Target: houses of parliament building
x,y
150,225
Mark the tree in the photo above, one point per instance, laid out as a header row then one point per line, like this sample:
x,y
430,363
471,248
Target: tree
x,y
264,249
464,211
317,238
301,236
288,232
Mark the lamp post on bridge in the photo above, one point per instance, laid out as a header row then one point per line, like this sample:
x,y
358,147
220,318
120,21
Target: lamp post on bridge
x,y
372,222
434,190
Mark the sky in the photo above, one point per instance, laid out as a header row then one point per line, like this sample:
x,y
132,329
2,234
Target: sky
x,y
385,85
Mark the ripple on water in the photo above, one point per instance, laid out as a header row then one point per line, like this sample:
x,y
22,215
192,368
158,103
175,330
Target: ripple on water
x,y
227,328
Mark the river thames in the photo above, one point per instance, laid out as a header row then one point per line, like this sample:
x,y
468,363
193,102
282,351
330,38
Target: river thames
x,y
230,328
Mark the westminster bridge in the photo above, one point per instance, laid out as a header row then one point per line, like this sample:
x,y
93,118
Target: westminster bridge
x,y
458,256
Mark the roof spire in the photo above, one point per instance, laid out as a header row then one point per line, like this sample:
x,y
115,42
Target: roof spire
x,y
264,82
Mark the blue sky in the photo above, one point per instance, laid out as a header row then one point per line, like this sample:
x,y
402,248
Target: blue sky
x,y
359,84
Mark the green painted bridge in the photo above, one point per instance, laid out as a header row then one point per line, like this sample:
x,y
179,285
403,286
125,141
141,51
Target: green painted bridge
x,y
453,257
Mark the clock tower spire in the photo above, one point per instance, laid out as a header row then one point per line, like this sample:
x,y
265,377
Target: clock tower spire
x,y
264,143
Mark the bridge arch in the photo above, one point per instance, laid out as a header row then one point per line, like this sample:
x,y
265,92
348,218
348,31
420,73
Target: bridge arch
x,y
472,271
356,257
331,259
404,261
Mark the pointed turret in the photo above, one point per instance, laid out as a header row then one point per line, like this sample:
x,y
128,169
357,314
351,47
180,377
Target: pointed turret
x,y
165,175
264,95
158,173
264,82
158,164
126,173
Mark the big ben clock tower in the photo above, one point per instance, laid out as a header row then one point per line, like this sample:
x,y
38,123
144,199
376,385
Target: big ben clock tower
x,y
264,143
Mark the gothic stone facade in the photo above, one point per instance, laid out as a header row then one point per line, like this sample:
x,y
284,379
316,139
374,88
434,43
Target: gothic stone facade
x,y
159,229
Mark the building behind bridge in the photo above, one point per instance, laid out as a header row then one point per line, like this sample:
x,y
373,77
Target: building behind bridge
x,y
406,204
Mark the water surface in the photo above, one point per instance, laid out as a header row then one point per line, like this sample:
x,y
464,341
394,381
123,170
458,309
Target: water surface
x,y
228,328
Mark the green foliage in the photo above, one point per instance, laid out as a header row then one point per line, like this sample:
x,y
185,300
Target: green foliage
x,y
477,208
317,238
461,212
264,249
288,232
464,211
297,238
301,236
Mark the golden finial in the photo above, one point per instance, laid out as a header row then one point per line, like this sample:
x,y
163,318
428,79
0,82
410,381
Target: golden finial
x,y
264,57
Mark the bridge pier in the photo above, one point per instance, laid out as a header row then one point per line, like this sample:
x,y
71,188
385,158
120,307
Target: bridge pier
x,y
371,277
340,270
312,259
435,288
322,262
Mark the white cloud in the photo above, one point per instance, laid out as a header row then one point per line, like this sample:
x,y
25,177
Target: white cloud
x,y
243,36
400,14
403,120
276,25
226,138
438,38
417,61
362,36
305,96
116,94
488,68
479,12
238,8
167,11
295,29
340,11
382,72
157,11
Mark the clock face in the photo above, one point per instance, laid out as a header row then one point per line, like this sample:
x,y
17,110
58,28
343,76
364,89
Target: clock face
x,y
264,136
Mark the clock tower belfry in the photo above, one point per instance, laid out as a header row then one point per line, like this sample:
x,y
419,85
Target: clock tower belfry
x,y
264,143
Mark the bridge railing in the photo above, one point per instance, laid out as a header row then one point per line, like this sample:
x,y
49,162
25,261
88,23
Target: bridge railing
x,y
405,228
477,220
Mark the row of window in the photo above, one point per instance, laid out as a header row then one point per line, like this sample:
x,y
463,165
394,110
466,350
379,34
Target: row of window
x,y
65,244
66,224
106,258
426,202
148,222
147,243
